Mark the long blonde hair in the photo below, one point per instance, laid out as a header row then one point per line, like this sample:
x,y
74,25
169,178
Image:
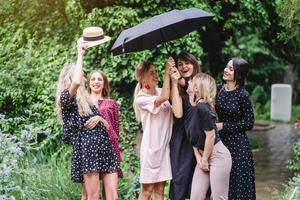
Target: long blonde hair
x,y
140,71
206,89
82,97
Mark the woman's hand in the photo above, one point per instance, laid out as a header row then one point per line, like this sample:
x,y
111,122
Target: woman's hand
x,y
181,81
175,75
105,123
219,126
170,63
198,159
93,121
81,48
204,165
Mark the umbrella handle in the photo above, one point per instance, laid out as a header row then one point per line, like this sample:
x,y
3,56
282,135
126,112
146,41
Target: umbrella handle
x,y
163,38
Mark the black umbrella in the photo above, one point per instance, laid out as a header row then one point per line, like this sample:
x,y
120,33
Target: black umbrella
x,y
159,29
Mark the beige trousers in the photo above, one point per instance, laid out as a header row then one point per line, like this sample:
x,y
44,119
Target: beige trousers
x,y
217,178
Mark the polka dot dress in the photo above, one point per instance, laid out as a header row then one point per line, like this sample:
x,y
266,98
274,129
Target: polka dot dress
x,y
234,109
92,149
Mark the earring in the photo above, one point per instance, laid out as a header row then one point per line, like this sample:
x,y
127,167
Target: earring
x,y
147,86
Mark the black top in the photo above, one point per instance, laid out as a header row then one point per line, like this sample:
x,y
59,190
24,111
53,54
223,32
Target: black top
x,y
198,119
182,156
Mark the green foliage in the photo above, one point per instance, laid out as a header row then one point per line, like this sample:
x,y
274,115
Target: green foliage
x,y
38,36
264,64
259,95
262,111
289,190
295,112
295,182
246,13
39,182
295,163
289,12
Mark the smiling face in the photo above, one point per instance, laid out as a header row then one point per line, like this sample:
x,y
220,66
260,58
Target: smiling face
x,y
96,83
150,77
185,68
228,74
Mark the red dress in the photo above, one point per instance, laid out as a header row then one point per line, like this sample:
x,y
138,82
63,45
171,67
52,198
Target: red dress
x,y
110,110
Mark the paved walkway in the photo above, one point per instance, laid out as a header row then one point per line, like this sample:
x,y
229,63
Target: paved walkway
x,y
270,163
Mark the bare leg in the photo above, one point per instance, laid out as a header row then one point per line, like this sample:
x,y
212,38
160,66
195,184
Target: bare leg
x,y
159,191
146,192
110,182
92,185
84,194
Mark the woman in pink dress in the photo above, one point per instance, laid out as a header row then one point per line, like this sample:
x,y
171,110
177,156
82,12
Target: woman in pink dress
x,y
154,111
99,90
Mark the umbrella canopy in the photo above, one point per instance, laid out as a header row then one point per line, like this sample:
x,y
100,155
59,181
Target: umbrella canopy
x,y
159,29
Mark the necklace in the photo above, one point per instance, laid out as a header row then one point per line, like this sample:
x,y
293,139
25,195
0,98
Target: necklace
x,y
227,89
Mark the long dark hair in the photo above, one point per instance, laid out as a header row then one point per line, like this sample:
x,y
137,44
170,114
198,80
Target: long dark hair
x,y
187,57
241,68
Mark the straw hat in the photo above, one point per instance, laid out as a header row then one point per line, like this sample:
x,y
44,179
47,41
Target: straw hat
x,y
93,36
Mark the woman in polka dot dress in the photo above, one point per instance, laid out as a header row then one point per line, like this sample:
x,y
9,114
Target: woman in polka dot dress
x,y
92,154
98,88
235,113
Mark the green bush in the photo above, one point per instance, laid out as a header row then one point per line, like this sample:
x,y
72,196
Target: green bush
x,y
262,111
295,163
38,36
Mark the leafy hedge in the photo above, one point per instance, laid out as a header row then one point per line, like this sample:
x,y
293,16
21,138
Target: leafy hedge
x,y
38,36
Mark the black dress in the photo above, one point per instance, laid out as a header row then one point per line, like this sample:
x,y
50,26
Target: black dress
x,y
183,161
235,110
92,149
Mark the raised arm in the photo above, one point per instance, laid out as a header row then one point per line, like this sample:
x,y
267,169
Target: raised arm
x,y
77,75
175,97
165,93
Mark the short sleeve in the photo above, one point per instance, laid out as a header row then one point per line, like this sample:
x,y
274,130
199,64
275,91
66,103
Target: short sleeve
x,y
207,116
146,102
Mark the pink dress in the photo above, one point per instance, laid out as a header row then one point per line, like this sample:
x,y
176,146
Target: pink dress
x,y
110,110
157,129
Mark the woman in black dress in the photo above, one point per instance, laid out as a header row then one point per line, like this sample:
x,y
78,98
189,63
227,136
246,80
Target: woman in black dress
x,y
183,161
235,113
92,155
